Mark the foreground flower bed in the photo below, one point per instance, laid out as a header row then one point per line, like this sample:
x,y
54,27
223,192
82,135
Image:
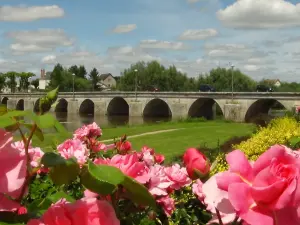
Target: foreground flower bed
x,y
83,181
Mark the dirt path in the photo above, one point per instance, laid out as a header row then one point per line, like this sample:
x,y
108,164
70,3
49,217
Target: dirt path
x,y
147,133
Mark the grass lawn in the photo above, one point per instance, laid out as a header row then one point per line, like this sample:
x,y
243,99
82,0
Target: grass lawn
x,y
172,143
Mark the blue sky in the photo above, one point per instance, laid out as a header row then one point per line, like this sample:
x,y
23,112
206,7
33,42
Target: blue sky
x,y
260,37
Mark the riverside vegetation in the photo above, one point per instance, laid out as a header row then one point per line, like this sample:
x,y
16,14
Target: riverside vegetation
x,y
88,182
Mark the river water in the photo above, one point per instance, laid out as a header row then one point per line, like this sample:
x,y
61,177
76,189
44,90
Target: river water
x,y
73,121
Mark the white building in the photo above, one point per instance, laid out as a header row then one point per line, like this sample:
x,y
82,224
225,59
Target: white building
x,y
44,80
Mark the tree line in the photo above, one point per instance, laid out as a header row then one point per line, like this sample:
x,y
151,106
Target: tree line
x,y
143,76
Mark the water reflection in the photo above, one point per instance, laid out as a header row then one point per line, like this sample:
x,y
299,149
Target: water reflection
x,y
73,121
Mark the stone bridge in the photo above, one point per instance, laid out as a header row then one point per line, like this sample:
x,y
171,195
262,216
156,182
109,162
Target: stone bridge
x,y
240,106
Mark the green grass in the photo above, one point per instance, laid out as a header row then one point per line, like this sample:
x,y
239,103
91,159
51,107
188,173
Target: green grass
x,y
172,143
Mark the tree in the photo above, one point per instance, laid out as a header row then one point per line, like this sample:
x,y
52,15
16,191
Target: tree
x,y
81,72
94,77
12,82
35,83
74,70
24,80
57,78
2,81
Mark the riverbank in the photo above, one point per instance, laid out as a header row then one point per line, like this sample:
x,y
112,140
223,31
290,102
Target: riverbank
x,y
170,139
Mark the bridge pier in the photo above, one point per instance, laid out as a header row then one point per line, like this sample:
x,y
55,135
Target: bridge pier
x,y
233,112
136,109
100,108
11,104
29,105
179,110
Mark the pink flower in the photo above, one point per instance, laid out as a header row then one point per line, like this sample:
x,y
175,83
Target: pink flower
x,y
96,146
159,158
178,176
22,210
74,148
12,172
168,204
89,131
129,165
197,189
123,147
215,198
147,149
159,181
35,153
195,161
267,190
86,211
148,158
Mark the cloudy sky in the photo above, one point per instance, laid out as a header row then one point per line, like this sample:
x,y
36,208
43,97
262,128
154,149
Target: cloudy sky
x,y
260,37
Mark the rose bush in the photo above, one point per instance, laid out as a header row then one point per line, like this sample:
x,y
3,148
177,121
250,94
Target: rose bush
x,y
83,181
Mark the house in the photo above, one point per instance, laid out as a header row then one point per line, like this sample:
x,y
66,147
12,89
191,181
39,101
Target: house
x,y
107,80
270,82
44,80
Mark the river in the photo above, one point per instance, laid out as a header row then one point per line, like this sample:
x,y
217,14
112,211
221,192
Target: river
x,y
73,121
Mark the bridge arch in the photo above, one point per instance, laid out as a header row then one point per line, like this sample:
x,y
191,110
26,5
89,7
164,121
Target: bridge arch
x,y
262,106
62,106
87,107
20,105
203,107
157,108
118,107
4,100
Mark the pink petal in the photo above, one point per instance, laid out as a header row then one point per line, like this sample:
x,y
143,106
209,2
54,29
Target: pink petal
x,y
287,216
276,151
240,197
7,204
258,216
239,164
224,179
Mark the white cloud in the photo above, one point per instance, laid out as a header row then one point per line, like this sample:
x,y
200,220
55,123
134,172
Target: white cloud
x,y
260,14
198,34
163,45
232,51
124,28
31,13
251,68
41,40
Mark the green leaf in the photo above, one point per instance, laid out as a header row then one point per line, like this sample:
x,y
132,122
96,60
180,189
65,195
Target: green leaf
x,y
102,179
46,121
51,159
109,174
66,173
95,185
60,128
52,95
12,128
138,192
62,171
5,122
294,141
16,113
40,206
38,132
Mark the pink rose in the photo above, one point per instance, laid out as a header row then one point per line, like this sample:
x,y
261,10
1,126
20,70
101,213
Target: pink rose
x,y
195,161
167,203
159,158
35,153
147,149
197,190
89,131
123,147
74,148
267,190
96,146
12,172
129,165
159,181
178,176
148,158
86,211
